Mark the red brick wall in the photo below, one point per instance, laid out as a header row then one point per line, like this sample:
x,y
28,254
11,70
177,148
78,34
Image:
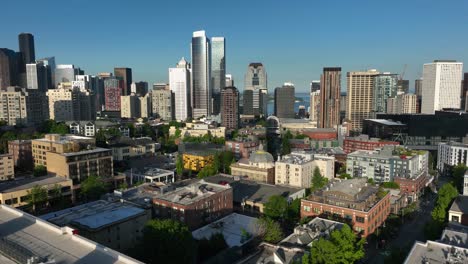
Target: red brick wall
x,y
350,145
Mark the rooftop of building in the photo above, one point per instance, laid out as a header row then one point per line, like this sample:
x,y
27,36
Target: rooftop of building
x,y
389,151
436,252
28,183
366,138
269,253
27,236
188,194
130,142
352,186
251,190
94,215
294,159
455,235
150,171
231,227
57,138
85,152
303,235
457,144
261,156
460,204
386,122
20,141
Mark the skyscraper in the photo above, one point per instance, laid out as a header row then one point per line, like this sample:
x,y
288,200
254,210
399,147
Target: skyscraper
x,y
284,101
23,106
230,108
441,85
403,86
162,100
179,83
139,88
464,92
201,75
49,63
314,86
418,87
26,47
112,91
65,73
256,81
8,68
360,92
330,92
314,108
218,70
126,75
385,86
36,76
229,80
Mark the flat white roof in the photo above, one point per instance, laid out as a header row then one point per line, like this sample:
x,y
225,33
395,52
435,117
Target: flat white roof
x,y
231,227
31,236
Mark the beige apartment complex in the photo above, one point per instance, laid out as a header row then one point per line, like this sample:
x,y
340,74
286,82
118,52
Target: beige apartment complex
x,y
260,167
7,167
360,97
402,104
67,103
72,157
22,106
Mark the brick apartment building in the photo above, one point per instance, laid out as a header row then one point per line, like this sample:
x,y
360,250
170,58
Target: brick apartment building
x,y
195,204
363,142
353,201
412,187
22,153
242,148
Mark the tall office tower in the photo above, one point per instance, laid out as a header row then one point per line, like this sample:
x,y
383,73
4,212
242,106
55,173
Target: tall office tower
x,y
330,92
22,106
139,88
162,100
402,104
37,76
112,91
360,92
218,70
418,87
8,68
201,75
403,86
229,80
65,73
26,47
130,106
314,109
49,64
464,92
126,75
441,86
67,103
385,86
230,108
256,81
284,101
179,83
314,86
343,104
247,103
146,109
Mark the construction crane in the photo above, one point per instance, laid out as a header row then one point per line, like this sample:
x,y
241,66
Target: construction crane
x,y
402,75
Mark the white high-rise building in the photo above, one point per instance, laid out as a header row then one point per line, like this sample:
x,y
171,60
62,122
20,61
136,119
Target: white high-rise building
x,y
201,75
441,87
179,83
314,106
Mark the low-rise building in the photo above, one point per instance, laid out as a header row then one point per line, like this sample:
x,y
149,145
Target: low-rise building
x,y
195,160
387,163
363,142
354,201
451,154
398,201
124,148
15,193
84,128
198,130
413,187
196,204
251,196
22,153
242,147
26,238
7,167
150,175
114,224
260,167
458,212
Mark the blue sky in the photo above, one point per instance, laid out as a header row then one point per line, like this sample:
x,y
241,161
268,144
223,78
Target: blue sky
x,y
293,39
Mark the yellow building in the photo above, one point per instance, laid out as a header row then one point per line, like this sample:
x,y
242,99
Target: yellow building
x,y
14,193
197,160
7,167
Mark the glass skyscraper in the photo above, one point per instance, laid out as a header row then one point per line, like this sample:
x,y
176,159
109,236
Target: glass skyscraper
x,y
385,86
218,70
201,75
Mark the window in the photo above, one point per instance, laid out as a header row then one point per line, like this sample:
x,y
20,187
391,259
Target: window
x,y
360,219
306,208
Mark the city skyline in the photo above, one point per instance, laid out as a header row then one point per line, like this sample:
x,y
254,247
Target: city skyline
x,y
291,50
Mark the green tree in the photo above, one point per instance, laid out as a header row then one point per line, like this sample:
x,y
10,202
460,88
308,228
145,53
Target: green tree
x,y
285,144
318,181
179,165
131,130
93,187
166,241
342,246
345,176
294,210
276,208
7,136
207,171
262,123
101,138
59,128
36,196
391,185
270,230
39,170
458,174
210,247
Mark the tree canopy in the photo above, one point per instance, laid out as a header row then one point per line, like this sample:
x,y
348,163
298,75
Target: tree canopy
x,y
36,196
285,144
391,185
39,170
93,187
270,230
318,181
276,208
458,174
342,246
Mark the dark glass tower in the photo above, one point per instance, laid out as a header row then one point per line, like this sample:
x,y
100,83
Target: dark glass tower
x,y
218,70
26,47
126,75
284,101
